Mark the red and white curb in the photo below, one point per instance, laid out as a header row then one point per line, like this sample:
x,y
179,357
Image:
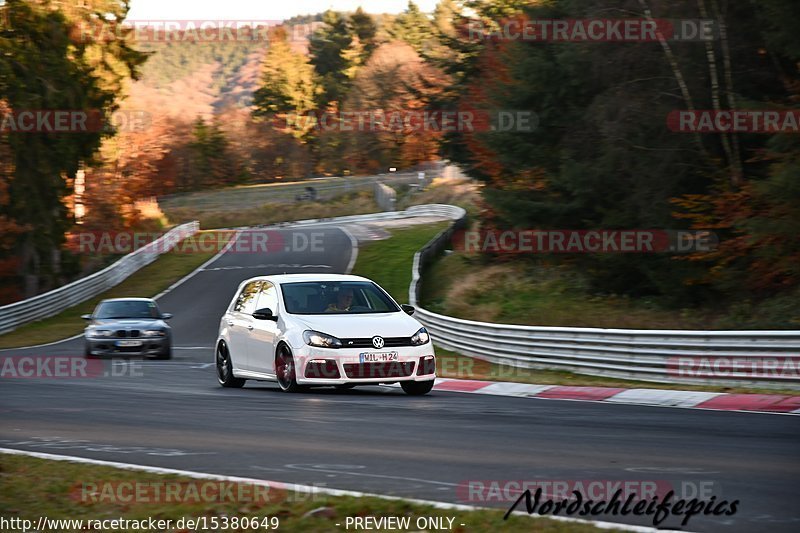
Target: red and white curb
x,y
718,401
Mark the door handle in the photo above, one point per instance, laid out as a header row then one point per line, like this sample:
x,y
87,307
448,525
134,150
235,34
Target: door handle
x,y
230,322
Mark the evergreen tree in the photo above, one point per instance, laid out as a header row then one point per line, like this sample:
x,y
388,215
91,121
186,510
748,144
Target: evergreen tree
x,y
44,65
329,55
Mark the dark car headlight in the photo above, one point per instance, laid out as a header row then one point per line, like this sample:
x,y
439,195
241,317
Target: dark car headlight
x,y
99,333
154,333
420,337
321,340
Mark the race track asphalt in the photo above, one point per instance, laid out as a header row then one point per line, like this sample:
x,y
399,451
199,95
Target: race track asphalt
x,y
375,439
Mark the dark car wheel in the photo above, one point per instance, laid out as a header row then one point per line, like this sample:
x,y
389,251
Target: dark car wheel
x,y
285,370
417,388
165,354
225,368
87,352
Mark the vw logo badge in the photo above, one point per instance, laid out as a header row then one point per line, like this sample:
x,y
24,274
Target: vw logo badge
x,y
378,342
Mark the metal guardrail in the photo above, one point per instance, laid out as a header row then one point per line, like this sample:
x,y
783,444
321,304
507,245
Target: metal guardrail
x,y
385,197
686,357
430,210
324,189
53,302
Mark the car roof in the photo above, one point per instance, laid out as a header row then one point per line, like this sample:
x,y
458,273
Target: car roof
x,y
297,278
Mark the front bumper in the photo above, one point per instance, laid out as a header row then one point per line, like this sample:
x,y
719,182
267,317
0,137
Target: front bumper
x,y
149,346
346,365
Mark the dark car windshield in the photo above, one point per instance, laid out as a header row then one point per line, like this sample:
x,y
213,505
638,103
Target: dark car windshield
x,y
127,309
336,297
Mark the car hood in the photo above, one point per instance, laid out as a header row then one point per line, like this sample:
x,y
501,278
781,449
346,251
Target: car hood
x,y
361,326
129,323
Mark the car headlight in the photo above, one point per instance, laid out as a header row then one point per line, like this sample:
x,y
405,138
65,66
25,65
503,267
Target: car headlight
x,y
321,340
421,337
154,333
100,333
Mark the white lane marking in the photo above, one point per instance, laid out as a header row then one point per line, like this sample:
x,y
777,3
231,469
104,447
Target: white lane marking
x,y
667,398
192,347
199,269
308,489
670,470
280,265
60,443
513,389
350,473
79,335
353,250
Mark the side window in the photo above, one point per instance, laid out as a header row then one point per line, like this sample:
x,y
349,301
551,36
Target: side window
x,y
246,303
268,297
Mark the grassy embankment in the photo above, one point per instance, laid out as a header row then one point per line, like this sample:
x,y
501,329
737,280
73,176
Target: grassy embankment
x,y
35,487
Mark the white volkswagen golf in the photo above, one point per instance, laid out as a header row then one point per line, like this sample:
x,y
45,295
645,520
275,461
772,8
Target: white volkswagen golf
x,y
322,329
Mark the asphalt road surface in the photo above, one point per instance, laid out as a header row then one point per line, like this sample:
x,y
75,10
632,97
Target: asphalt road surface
x,y
173,414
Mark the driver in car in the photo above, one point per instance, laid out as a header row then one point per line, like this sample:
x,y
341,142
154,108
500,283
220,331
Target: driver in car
x,y
344,299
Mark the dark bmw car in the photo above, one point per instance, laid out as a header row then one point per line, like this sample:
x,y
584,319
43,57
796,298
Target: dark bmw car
x,y
128,326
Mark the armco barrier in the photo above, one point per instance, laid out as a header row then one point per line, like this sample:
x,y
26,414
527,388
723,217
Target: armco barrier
x,y
385,197
646,355
51,303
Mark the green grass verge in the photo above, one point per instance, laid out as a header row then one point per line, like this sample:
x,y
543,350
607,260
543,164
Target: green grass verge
x,y
35,487
512,291
388,262
211,216
147,282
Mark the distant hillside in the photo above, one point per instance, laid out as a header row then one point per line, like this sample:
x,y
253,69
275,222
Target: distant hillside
x,y
187,79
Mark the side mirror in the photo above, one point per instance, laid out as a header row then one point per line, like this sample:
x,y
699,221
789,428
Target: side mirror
x,y
166,316
86,317
408,309
264,314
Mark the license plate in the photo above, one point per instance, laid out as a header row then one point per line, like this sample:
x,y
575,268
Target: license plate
x,y
377,357
128,344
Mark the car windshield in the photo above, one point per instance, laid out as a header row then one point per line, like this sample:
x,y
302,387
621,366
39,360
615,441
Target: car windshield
x,y
336,297
127,309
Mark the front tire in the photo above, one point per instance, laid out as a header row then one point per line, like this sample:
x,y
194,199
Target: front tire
x,y
417,388
224,366
286,371
87,352
166,354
